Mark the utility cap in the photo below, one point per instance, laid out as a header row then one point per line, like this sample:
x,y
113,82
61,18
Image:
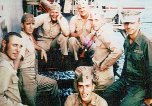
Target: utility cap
x,y
130,16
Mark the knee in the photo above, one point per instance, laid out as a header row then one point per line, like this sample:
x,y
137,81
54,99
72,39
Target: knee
x,y
72,41
62,38
53,84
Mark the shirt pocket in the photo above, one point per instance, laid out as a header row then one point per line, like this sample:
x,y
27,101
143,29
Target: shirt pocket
x,y
137,56
137,60
15,82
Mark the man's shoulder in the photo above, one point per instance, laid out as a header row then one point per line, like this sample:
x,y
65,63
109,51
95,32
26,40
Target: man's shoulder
x,y
75,17
5,64
73,99
96,96
3,61
99,100
146,36
74,95
44,16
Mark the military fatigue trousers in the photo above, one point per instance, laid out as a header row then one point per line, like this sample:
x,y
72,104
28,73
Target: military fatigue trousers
x,y
122,93
33,84
60,40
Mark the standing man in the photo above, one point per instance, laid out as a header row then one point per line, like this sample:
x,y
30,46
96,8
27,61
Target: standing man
x,y
84,84
107,51
135,85
55,29
32,82
9,91
80,27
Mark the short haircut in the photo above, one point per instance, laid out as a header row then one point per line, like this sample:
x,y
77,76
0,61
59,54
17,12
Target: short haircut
x,y
26,16
11,34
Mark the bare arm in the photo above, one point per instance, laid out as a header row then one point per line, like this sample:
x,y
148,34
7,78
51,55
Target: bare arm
x,y
73,32
64,25
37,47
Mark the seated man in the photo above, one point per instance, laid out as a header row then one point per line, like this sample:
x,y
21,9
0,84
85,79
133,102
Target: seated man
x,y
135,84
9,91
80,28
84,84
55,29
31,82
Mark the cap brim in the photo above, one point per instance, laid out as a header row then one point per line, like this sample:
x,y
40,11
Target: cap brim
x,y
130,19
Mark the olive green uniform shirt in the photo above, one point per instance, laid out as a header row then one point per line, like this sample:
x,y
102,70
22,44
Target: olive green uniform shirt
x,y
138,62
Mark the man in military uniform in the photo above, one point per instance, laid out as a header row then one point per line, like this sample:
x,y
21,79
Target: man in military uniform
x,y
84,84
9,91
80,28
33,83
107,51
55,29
135,85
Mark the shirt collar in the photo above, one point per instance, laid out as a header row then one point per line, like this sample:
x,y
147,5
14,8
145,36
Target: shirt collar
x,y
4,56
24,35
138,38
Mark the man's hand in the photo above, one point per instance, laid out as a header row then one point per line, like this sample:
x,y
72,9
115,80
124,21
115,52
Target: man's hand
x,y
103,68
43,55
93,32
148,102
59,17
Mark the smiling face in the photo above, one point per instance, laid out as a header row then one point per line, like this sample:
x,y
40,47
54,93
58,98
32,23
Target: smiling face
x,y
132,28
85,89
12,48
54,14
131,21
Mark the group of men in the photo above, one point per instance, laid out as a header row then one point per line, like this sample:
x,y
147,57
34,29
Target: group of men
x,y
87,31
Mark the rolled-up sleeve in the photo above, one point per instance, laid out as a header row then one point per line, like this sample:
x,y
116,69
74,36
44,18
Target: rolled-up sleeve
x,y
64,26
39,20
